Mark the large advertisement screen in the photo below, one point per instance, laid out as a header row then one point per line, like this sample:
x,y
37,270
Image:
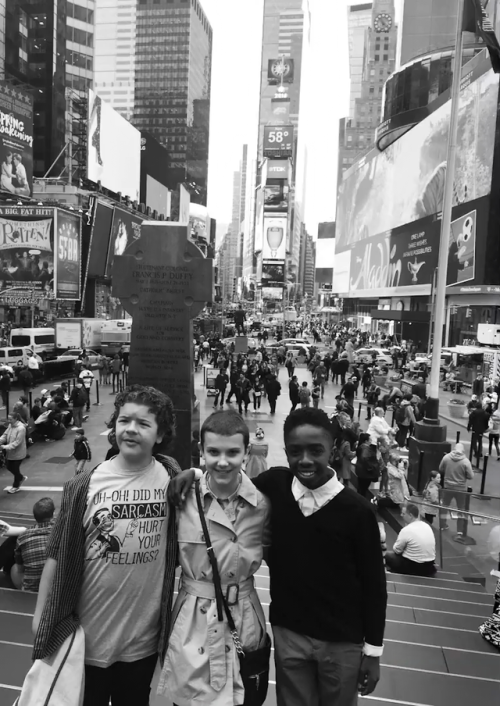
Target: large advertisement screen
x,y
274,241
125,229
27,250
16,140
389,205
69,250
154,175
114,149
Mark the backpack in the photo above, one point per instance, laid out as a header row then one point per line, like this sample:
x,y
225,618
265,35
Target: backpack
x,y
400,415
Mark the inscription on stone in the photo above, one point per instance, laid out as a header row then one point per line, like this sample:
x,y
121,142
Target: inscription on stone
x,y
164,281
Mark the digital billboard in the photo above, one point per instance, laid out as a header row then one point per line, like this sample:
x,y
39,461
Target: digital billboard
x,y
126,228
68,260
278,141
16,140
113,149
388,212
273,273
273,293
276,198
199,223
274,240
27,249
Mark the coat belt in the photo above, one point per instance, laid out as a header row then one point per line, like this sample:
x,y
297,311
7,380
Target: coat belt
x,y
206,589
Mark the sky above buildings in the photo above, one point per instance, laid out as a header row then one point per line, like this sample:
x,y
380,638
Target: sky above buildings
x,y
237,26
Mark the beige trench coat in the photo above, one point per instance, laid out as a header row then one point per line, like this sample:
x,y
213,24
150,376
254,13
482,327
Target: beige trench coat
x,y
201,666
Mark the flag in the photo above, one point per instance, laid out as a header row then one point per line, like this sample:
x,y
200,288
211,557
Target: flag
x,y
477,20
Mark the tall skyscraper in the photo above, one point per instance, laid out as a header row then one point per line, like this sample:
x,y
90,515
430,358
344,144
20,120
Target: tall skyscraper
x,y
359,17
173,65
2,39
357,132
280,94
35,56
114,50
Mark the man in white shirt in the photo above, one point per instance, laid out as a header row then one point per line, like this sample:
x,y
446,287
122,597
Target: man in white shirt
x,y
414,551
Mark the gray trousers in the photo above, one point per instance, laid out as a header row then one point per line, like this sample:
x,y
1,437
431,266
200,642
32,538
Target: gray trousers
x,y
312,672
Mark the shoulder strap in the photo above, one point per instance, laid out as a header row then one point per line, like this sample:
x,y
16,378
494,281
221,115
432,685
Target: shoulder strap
x,y
219,595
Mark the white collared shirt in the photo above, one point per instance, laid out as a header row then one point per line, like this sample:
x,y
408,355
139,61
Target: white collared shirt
x,y
310,501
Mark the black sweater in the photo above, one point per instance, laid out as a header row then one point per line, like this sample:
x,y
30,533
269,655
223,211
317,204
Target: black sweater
x,y
327,572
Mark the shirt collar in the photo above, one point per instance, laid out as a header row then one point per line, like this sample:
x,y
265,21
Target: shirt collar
x,y
247,490
328,490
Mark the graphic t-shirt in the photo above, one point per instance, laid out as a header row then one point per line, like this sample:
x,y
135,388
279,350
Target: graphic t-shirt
x,y
125,543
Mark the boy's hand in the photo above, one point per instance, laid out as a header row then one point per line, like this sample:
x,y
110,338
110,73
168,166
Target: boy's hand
x,y
179,487
369,675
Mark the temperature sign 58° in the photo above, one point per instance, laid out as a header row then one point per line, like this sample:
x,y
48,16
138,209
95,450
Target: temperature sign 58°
x,y
278,141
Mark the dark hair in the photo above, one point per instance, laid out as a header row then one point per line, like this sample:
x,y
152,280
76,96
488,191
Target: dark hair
x,y
363,437
307,415
412,509
158,403
43,509
23,399
225,423
408,397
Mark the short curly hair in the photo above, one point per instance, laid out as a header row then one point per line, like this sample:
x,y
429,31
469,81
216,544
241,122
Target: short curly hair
x,y
158,403
307,416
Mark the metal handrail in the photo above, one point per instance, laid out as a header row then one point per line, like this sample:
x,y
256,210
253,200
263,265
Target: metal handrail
x,y
455,509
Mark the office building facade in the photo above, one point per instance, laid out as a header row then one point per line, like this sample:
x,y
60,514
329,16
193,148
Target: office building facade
x,y
173,64
114,54
359,17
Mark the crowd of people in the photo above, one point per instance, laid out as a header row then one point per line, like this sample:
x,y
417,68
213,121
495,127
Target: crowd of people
x,y
315,514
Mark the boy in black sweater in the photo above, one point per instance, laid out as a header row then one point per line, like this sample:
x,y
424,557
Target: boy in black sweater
x,y
328,586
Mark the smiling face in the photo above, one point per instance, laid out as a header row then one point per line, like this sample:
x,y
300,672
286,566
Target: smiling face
x,y
136,434
224,456
308,450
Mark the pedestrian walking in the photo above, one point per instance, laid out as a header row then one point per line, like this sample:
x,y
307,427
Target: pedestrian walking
x,y
87,377
78,399
81,451
494,432
293,392
456,471
273,388
316,394
13,443
116,366
5,384
221,383
305,395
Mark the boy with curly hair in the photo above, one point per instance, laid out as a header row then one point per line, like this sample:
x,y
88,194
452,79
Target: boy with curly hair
x,y
111,556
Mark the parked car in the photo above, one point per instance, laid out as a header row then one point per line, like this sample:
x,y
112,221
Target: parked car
x,y
74,353
365,355
232,339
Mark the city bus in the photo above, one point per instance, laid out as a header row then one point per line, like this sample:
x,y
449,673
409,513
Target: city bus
x,y
115,334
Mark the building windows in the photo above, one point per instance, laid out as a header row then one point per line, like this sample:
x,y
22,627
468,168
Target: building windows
x,y
80,13
386,57
377,57
372,89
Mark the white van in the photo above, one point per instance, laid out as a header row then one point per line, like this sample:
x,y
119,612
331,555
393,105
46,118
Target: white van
x,y
40,340
16,358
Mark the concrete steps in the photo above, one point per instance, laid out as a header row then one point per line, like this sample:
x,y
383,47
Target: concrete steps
x,y
433,655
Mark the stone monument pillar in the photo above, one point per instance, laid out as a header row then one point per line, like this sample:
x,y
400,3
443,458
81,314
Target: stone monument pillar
x,y
163,282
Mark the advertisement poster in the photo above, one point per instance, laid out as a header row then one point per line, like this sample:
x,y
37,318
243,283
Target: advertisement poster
x,y
16,140
273,273
274,241
276,198
126,228
278,141
462,250
27,250
114,149
199,222
69,249
405,183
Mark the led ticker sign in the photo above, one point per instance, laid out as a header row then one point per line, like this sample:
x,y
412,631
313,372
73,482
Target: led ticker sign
x,y
278,140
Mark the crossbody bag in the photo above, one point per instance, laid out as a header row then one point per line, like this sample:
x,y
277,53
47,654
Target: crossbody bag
x,y
254,664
